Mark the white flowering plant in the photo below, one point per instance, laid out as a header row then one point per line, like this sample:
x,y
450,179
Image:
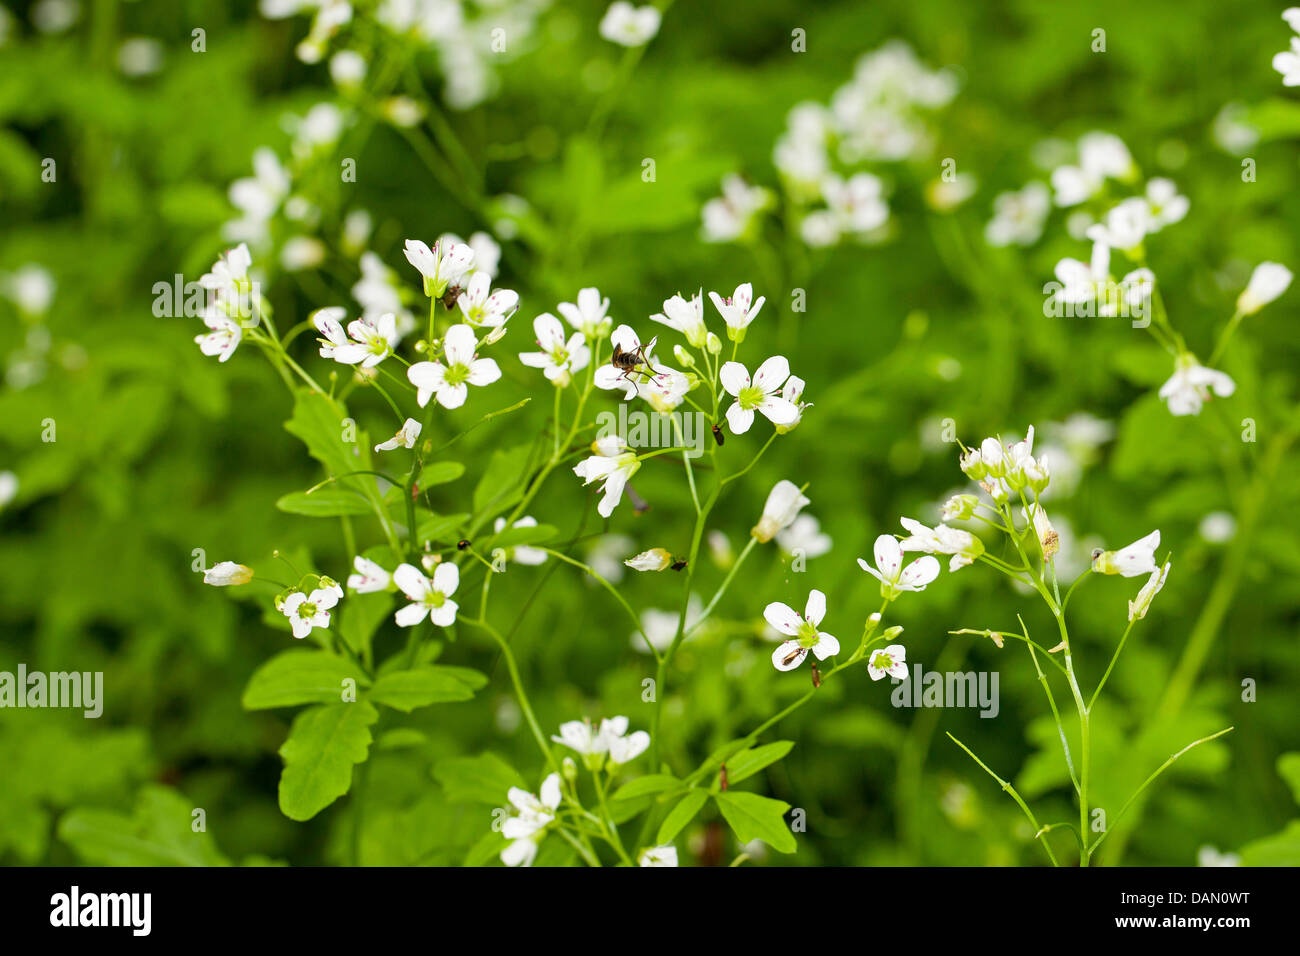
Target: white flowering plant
x,y
516,433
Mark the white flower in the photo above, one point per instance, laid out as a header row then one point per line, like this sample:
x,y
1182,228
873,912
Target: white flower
x,y
759,395
894,578
739,310
1217,527
223,339
1138,607
962,545
451,381
526,827
429,598
1102,156
347,68
443,265
666,389
609,376
685,316
1048,540
626,749
1209,855
257,197
225,573
792,391
1165,204
1018,217
784,502
369,576
306,611
1131,560
732,215
656,559
1267,282
482,307
588,315
31,288
627,25
1125,225
891,660
804,535
557,359
406,436
1192,385
802,631
581,736
1085,282
369,340
521,553
658,856
857,205
1288,63
229,281
8,487
612,464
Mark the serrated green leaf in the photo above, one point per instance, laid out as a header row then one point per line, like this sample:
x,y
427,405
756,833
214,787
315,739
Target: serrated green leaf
x,y
159,833
484,778
300,677
753,817
681,814
323,746
420,687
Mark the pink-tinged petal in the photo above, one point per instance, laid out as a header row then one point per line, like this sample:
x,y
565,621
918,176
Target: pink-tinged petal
x,y
788,656
446,578
327,322
889,556
502,302
783,617
734,377
411,582
815,609
743,296
460,344
828,645
444,616
484,371
549,331
453,396
625,338
739,418
410,615
779,411
920,572
771,375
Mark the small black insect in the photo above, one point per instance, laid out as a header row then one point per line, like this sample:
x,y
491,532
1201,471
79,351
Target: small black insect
x,y
678,565
629,361
462,544
816,675
449,297
718,436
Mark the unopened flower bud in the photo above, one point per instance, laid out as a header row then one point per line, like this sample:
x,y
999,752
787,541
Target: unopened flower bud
x,y
713,344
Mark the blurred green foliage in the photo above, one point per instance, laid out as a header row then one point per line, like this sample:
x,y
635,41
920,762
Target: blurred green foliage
x,y
161,451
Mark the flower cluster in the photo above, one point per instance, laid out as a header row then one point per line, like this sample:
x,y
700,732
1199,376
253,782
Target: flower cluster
x,y
881,115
